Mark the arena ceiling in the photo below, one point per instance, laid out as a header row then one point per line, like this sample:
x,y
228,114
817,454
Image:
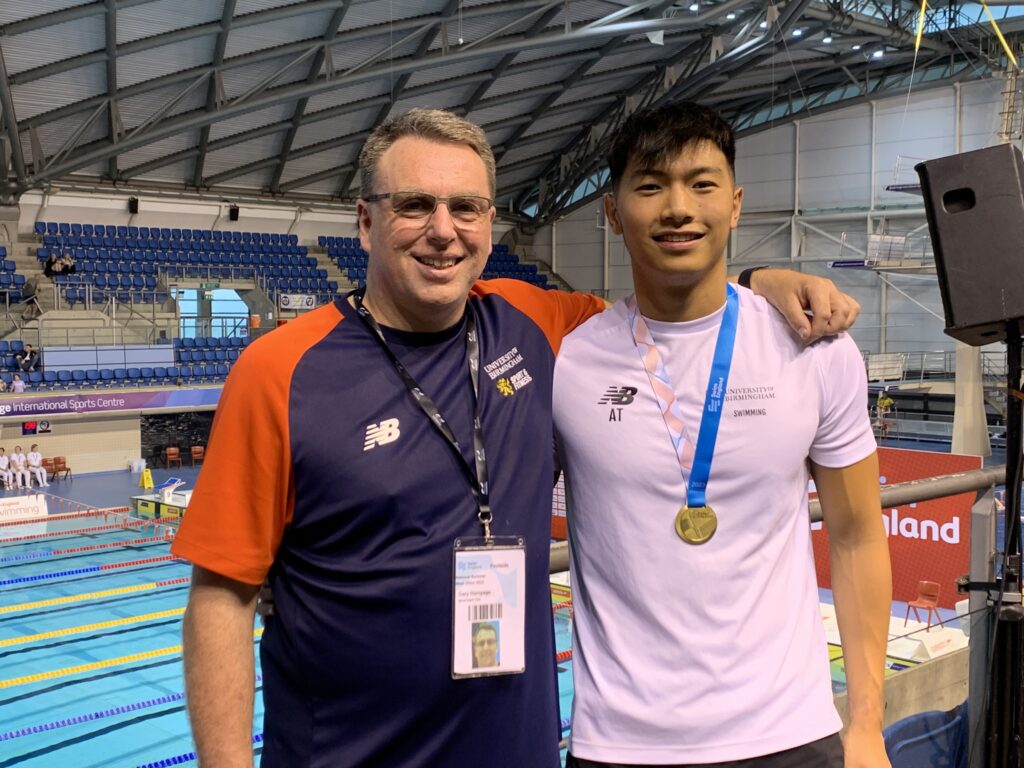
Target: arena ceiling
x,y
273,98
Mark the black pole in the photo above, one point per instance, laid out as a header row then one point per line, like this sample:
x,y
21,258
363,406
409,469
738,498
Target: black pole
x,y
1006,701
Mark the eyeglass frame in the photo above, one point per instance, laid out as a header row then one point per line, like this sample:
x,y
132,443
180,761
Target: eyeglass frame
x,y
378,197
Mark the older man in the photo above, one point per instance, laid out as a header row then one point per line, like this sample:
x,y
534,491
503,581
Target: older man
x,y
386,461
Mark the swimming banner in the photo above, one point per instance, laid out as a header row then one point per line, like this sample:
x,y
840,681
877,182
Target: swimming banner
x,y
929,540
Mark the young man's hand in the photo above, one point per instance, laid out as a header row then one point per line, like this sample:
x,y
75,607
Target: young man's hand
x,y
794,293
864,748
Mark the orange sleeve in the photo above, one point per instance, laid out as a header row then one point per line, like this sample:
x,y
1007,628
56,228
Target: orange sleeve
x,y
244,496
557,313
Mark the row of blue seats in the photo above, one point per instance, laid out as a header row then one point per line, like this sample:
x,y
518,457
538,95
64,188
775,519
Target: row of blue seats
x,y
540,281
7,280
81,296
62,245
121,377
213,342
335,241
90,268
8,265
184,257
14,346
334,253
167,233
128,282
206,355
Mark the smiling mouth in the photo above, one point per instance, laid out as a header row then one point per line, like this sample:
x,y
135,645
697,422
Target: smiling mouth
x,y
437,263
678,237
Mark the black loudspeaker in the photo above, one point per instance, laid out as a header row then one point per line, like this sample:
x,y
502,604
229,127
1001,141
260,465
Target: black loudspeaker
x,y
133,205
975,207
233,213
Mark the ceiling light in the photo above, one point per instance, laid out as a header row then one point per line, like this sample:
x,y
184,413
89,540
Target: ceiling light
x,y
763,25
730,16
826,39
878,54
694,7
856,47
797,32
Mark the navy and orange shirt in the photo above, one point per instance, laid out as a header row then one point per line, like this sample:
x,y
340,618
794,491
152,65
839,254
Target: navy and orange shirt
x,y
323,472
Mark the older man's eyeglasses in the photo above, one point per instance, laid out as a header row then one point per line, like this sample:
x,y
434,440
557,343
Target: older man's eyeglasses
x,y
417,206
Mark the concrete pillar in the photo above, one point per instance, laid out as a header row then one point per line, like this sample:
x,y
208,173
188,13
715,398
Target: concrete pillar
x,y
970,429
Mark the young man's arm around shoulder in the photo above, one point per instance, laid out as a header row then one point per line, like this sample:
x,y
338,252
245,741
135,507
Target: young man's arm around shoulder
x,y
220,668
862,590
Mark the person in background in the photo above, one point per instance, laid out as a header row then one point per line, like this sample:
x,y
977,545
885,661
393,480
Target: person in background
x,y
51,266
35,465
27,358
17,384
698,635
5,470
19,466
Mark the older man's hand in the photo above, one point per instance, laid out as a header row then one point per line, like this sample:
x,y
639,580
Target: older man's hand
x,y
794,294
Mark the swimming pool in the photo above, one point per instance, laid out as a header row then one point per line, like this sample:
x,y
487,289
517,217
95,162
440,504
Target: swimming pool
x,y
90,645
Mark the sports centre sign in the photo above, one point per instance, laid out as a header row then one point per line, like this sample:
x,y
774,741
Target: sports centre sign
x,y
104,402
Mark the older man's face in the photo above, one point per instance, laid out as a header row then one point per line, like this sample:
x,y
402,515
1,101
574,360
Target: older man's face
x,y
421,268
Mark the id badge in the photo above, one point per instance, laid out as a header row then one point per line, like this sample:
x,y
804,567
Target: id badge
x,y
489,607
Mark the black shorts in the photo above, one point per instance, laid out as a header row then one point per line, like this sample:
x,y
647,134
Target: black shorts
x,y
823,753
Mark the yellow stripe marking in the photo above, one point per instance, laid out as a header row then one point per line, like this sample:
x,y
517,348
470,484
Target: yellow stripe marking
x,y
76,598
90,627
131,658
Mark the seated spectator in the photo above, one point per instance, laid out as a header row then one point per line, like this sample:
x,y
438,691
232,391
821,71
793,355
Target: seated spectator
x,y
50,267
17,385
3,385
27,359
67,265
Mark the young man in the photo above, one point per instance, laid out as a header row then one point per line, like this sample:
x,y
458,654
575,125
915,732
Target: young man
x,y
354,453
698,635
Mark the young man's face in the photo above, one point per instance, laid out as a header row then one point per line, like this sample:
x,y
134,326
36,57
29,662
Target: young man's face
x,y
675,219
420,269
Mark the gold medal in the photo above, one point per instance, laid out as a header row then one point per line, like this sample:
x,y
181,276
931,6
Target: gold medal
x,y
696,525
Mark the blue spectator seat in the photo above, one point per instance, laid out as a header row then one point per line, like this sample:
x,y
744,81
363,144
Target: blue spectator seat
x,y
40,228
222,371
4,347
106,376
78,378
159,374
50,379
134,375
35,378
121,376
173,372
146,375
17,345
93,377
63,379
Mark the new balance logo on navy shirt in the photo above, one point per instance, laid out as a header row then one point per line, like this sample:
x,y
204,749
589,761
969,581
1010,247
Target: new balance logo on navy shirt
x,y
381,434
618,396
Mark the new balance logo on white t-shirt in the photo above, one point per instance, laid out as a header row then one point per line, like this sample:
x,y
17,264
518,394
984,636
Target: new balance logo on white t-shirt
x,y
381,434
618,396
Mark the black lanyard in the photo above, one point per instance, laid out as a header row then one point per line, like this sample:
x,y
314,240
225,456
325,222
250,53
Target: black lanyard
x,y
478,481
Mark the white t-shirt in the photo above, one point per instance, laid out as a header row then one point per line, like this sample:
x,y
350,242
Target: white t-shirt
x,y
5,462
716,652
35,459
18,460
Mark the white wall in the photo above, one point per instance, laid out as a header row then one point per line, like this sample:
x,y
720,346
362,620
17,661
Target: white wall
x,y
829,173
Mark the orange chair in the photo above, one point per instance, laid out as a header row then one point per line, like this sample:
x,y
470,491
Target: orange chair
x,y
60,465
48,468
198,453
927,599
172,454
